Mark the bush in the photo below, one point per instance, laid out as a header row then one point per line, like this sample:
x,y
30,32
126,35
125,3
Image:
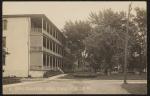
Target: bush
x,y
10,80
84,74
51,73
29,76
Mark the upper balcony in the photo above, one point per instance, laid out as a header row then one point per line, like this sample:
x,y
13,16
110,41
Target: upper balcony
x,y
36,31
40,25
39,31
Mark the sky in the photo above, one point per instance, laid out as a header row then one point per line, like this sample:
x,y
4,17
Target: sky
x,y
60,12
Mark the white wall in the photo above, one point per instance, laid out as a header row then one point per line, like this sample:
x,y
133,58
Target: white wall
x,y
36,60
36,54
17,45
37,73
36,40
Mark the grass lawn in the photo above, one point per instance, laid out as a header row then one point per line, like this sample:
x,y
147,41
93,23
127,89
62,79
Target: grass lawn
x,y
135,88
119,76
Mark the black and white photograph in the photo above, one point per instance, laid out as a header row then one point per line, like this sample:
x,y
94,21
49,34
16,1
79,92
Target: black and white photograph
x,y
74,47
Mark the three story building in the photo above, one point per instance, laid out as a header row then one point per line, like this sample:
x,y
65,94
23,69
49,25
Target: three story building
x,y
35,45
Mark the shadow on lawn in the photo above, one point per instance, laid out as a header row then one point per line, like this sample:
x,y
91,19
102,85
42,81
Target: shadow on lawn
x,y
135,88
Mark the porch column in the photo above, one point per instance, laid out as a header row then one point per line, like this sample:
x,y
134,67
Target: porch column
x,y
49,61
42,43
52,62
45,61
49,28
46,26
55,62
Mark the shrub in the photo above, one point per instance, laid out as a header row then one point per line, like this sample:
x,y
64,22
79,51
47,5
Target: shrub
x,y
51,73
10,80
84,74
29,76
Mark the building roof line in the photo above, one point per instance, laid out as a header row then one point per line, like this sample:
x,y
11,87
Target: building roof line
x,y
31,15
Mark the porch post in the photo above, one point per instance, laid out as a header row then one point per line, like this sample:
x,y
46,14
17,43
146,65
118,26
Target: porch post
x,y
42,43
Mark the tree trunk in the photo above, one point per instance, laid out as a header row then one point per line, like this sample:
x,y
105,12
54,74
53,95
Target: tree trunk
x,y
140,63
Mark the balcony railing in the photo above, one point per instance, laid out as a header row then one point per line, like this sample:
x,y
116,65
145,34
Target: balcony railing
x,y
34,67
35,48
47,68
36,29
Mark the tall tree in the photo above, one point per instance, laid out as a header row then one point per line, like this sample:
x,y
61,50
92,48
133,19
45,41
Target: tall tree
x,y
140,21
76,33
107,38
103,35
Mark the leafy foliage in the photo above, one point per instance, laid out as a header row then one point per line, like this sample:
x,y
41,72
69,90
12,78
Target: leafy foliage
x,y
103,35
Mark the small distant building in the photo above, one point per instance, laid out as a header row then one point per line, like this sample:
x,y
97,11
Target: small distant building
x,y
33,43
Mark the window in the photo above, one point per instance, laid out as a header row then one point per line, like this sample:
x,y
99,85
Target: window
x,y
55,34
4,24
53,47
44,42
54,61
4,51
44,25
58,62
3,56
62,63
4,42
56,48
50,60
47,29
60,38
44,59
60,51
51,44
47,43
58,35
47,60
51,32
